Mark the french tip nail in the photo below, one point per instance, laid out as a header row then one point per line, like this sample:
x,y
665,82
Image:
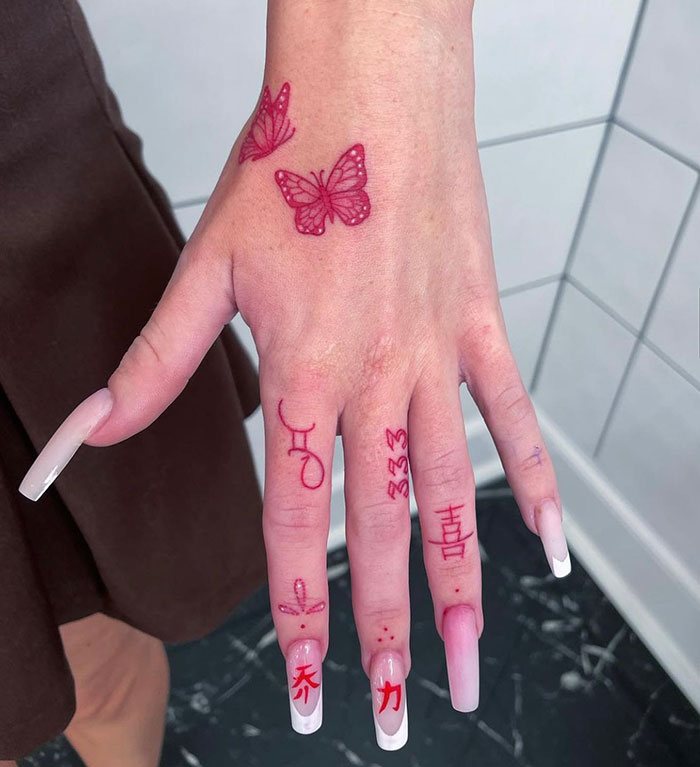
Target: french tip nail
x,y
304,677
64,443
551,531
462,655
395,741
561,567
389,705
305,725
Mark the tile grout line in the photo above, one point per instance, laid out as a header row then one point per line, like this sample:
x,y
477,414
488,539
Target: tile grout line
x,y
546,339
532,285
189,202
627,63
678,369
649,139
600,303
539,132
647,317
617,97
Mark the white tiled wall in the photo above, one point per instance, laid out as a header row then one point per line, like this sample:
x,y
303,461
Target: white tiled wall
x,y
675,325
535,188
587,354
662,93
624,340
638,202
542,63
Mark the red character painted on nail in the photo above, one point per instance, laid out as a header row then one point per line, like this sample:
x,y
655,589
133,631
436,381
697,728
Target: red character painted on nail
x,y
304,682
387,691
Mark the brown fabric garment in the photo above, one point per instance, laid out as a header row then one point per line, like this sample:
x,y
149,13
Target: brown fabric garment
x,y
164,530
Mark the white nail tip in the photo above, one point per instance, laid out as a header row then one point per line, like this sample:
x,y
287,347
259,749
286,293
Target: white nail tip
x,y
398,739
305,725
561,567
63,445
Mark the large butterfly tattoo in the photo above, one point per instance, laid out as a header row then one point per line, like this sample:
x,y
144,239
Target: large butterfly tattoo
x,y
342,194
270,128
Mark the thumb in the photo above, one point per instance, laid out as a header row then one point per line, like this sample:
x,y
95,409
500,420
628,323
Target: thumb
x,y
198,301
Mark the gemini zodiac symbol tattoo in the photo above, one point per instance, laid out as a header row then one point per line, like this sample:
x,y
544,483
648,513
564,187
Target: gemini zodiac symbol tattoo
x,y
397,466
342,194
312,471
301,608
452,541
270,128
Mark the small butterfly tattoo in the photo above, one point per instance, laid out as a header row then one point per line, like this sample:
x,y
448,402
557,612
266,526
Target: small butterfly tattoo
x,y
271,127
342,194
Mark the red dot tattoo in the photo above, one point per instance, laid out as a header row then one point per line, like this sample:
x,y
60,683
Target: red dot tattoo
x,y
342,194
452,541
312,471
271,127
301,607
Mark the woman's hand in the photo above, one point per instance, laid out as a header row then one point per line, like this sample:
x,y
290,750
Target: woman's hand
x,y
369,326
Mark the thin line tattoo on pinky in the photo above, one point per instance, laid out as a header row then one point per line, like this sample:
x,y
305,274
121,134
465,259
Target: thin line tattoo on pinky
x,y
312,471
397,466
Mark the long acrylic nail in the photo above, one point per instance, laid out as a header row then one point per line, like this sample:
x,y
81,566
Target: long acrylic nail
x,y
62,446
304,676
551,532
389,707
462,653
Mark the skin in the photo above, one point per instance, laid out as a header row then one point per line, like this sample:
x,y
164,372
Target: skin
x,y
364,328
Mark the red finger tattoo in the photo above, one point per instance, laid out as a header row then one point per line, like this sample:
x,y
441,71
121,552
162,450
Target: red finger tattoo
x,y
342,194
397,440
452,541
312,471
270,128
301,607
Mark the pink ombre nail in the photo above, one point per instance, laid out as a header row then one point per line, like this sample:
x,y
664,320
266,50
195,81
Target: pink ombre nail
x,y
62,446
389,707
551,532
462,653
304,676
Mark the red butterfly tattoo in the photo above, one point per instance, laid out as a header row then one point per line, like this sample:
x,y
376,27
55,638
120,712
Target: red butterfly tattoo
x,y
342,194
271,127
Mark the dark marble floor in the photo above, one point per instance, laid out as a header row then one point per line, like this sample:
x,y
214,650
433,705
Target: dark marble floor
x,y
564,681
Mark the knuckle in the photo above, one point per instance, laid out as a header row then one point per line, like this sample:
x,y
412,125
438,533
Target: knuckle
x,y
449,469
148,350
381,523
291,519
512,404
382,613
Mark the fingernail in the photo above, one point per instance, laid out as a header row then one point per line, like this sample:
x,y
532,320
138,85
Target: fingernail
x,y
462,653
551,532
62,446
389,700
305,691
